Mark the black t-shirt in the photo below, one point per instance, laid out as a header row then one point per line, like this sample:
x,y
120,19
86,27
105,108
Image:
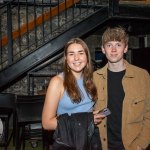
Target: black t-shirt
x,y
115,100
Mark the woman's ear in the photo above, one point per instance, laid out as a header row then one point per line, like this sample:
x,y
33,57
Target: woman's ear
x,y
65,58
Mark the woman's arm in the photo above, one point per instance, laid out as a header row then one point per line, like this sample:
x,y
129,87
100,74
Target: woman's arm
x,y
53,95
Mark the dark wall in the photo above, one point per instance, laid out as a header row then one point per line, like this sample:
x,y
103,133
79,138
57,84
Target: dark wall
x,y
141,58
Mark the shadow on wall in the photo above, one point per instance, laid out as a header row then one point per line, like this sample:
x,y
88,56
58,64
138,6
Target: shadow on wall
x,y
140,58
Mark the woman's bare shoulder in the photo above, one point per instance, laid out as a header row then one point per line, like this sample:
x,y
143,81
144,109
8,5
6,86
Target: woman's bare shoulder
x,y
57,79
56,82
56,85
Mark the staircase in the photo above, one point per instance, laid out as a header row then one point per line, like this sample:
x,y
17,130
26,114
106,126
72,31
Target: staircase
x,y
86,16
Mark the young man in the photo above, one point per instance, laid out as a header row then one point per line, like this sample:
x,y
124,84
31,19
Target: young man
x,y
125,90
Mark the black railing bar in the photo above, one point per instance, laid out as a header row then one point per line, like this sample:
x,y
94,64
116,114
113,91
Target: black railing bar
x,y
27,20
39,1
58,15
73,10
113,7
52,4
5,1
43,23
19,38
94,4
0,42
89,6
32,85
35,27
79,9
131,17
87,3
28,85
50,20
9,34
135,6
66,13
0,29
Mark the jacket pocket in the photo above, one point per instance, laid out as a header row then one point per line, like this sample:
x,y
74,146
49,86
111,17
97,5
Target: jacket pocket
x,y
136,110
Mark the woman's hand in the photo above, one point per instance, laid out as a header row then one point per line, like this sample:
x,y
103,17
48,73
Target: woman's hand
x,y
97,117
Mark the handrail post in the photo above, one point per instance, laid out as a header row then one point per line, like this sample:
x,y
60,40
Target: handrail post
x,y
113,7
9,34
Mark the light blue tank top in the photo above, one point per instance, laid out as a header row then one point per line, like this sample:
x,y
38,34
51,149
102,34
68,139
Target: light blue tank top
x,y
67,106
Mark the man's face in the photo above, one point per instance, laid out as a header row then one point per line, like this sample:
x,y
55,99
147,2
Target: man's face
x,y
114,51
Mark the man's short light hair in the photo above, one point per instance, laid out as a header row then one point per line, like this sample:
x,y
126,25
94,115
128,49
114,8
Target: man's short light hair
x,y
115,34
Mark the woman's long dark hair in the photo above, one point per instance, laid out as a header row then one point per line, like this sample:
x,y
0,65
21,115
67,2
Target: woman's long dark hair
x,y
70,83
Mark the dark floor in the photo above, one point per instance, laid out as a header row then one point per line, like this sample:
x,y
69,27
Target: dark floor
x,y
29,146
33,144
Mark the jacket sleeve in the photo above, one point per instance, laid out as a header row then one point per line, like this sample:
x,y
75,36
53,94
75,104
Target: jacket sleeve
x,y
143,139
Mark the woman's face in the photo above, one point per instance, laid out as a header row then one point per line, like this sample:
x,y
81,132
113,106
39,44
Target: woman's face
x,y
76,58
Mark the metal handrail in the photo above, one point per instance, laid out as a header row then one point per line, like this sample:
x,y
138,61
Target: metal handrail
x,y
26,26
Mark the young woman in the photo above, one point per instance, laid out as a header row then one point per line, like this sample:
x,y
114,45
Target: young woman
x,y
72,92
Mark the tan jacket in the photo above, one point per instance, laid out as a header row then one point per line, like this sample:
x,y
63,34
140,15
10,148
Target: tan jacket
x,y
136,106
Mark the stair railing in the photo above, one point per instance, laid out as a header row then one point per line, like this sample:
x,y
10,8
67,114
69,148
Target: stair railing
x,y
27,25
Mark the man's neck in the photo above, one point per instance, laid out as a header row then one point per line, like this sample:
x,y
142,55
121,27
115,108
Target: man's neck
x,y
116,67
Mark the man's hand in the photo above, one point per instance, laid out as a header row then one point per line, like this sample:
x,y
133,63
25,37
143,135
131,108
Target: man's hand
x,y
139,148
